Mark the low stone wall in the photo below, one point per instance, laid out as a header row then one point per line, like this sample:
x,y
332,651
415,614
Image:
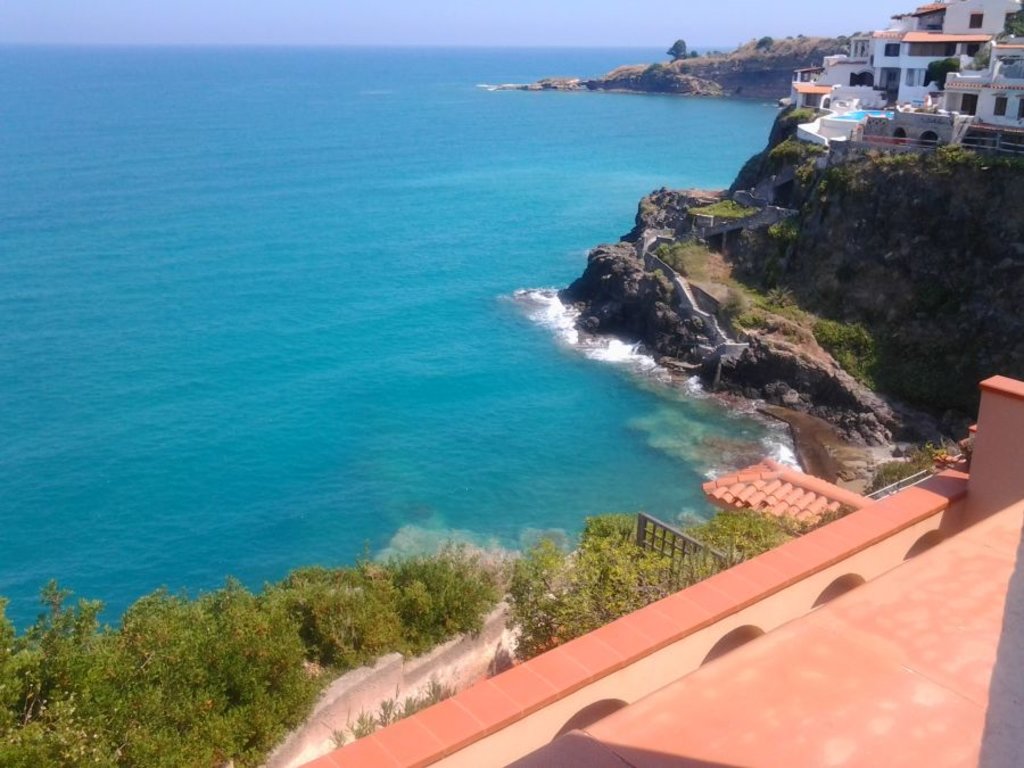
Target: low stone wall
x,y
457,665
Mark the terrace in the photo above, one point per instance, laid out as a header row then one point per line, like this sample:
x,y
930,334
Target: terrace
x,y
917,663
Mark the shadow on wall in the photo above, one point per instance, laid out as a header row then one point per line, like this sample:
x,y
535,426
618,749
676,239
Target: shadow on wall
x,y
838,588
732,641
589,715
1001,744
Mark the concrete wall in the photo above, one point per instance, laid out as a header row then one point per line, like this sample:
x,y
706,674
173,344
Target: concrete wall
x,y
457,664
652,672
997,467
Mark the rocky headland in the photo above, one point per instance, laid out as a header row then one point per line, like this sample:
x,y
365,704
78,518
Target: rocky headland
x,y
867,291
761,69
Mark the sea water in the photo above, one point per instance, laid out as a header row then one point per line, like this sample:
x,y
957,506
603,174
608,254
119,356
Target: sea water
x,y
265,308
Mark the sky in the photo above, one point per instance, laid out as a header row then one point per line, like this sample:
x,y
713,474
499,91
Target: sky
x,y
630,23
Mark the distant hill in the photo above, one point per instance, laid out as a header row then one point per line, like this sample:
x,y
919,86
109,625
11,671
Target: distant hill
x,y
760,69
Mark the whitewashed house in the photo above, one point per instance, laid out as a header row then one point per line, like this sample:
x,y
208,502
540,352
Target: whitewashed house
x,y
994,96
890,66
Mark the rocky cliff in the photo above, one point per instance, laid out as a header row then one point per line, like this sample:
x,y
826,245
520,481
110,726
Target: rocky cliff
x,y
923,252
891,291
760,70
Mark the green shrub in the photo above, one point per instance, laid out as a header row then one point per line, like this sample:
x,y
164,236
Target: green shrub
x,y
725,209
852,346
939,70
744,534
793,152
221,677
891,472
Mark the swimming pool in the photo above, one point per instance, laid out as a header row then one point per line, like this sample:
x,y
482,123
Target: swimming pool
x,y
861,114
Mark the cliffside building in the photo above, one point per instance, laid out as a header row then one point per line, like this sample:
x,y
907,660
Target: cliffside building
x,y
994,95
890,66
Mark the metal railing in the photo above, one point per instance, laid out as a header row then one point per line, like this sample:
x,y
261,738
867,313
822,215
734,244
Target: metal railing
x,y
689,560
906,482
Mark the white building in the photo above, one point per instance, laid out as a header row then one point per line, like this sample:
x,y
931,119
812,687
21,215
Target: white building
x,y
995,96
890,66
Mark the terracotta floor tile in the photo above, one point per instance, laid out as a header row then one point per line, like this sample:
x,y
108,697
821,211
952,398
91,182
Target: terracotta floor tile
x,y
488,704
411,744
525,687
365,753
452,725
561,670
626,637
596,657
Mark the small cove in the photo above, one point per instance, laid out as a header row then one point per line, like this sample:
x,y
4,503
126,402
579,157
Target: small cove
x,y
258,310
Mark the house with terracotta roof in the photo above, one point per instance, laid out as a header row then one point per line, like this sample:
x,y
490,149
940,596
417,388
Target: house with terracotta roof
x,y
892,636
995,96
890,66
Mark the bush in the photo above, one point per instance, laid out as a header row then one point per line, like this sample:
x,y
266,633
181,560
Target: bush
x,y
852,346
744,534
938,71
765,43
218,678
556,596
726,209
793,152
891,472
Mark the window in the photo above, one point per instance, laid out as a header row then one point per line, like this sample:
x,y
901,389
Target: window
x,y
1020,109
892,50
977,20
969,104
1000,110
915,77
972,49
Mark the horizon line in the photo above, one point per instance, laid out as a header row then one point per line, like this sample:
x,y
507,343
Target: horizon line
x,y
408,46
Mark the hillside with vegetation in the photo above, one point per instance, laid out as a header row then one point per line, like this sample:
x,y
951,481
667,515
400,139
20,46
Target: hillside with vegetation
x,y
759,69
914,263
219,679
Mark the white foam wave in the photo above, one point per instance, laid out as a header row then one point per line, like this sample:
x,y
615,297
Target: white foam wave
x,y
545,308
782,451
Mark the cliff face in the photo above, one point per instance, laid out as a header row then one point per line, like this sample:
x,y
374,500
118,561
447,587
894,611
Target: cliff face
x,y
618,297
926,252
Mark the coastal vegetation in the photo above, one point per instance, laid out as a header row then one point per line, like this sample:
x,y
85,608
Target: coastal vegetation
x,y
556,596
223,676
725,209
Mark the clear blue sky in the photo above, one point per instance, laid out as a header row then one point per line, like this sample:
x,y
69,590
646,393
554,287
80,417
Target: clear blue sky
x,y
432,22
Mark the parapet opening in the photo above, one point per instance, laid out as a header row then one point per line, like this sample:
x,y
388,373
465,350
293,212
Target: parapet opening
x,y
591,714
839,587
732,641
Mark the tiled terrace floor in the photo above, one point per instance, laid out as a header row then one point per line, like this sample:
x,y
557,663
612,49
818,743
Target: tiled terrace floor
x,y
898,672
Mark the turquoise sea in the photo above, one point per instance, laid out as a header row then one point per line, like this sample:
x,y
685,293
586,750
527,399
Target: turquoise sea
x,y
259,309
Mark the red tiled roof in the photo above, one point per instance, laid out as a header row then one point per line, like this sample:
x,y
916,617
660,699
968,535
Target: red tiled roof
x,y
812,88
777,490
924,10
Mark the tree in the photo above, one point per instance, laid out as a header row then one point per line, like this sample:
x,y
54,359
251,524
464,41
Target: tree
x,y
765,43
1014,25
678,50
939,70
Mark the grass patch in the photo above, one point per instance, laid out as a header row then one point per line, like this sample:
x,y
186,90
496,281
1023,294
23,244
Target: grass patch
x,y
852,346
891,472
691,259
725,209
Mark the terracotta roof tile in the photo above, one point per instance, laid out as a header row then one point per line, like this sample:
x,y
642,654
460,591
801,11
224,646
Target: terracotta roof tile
x,y
778,490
